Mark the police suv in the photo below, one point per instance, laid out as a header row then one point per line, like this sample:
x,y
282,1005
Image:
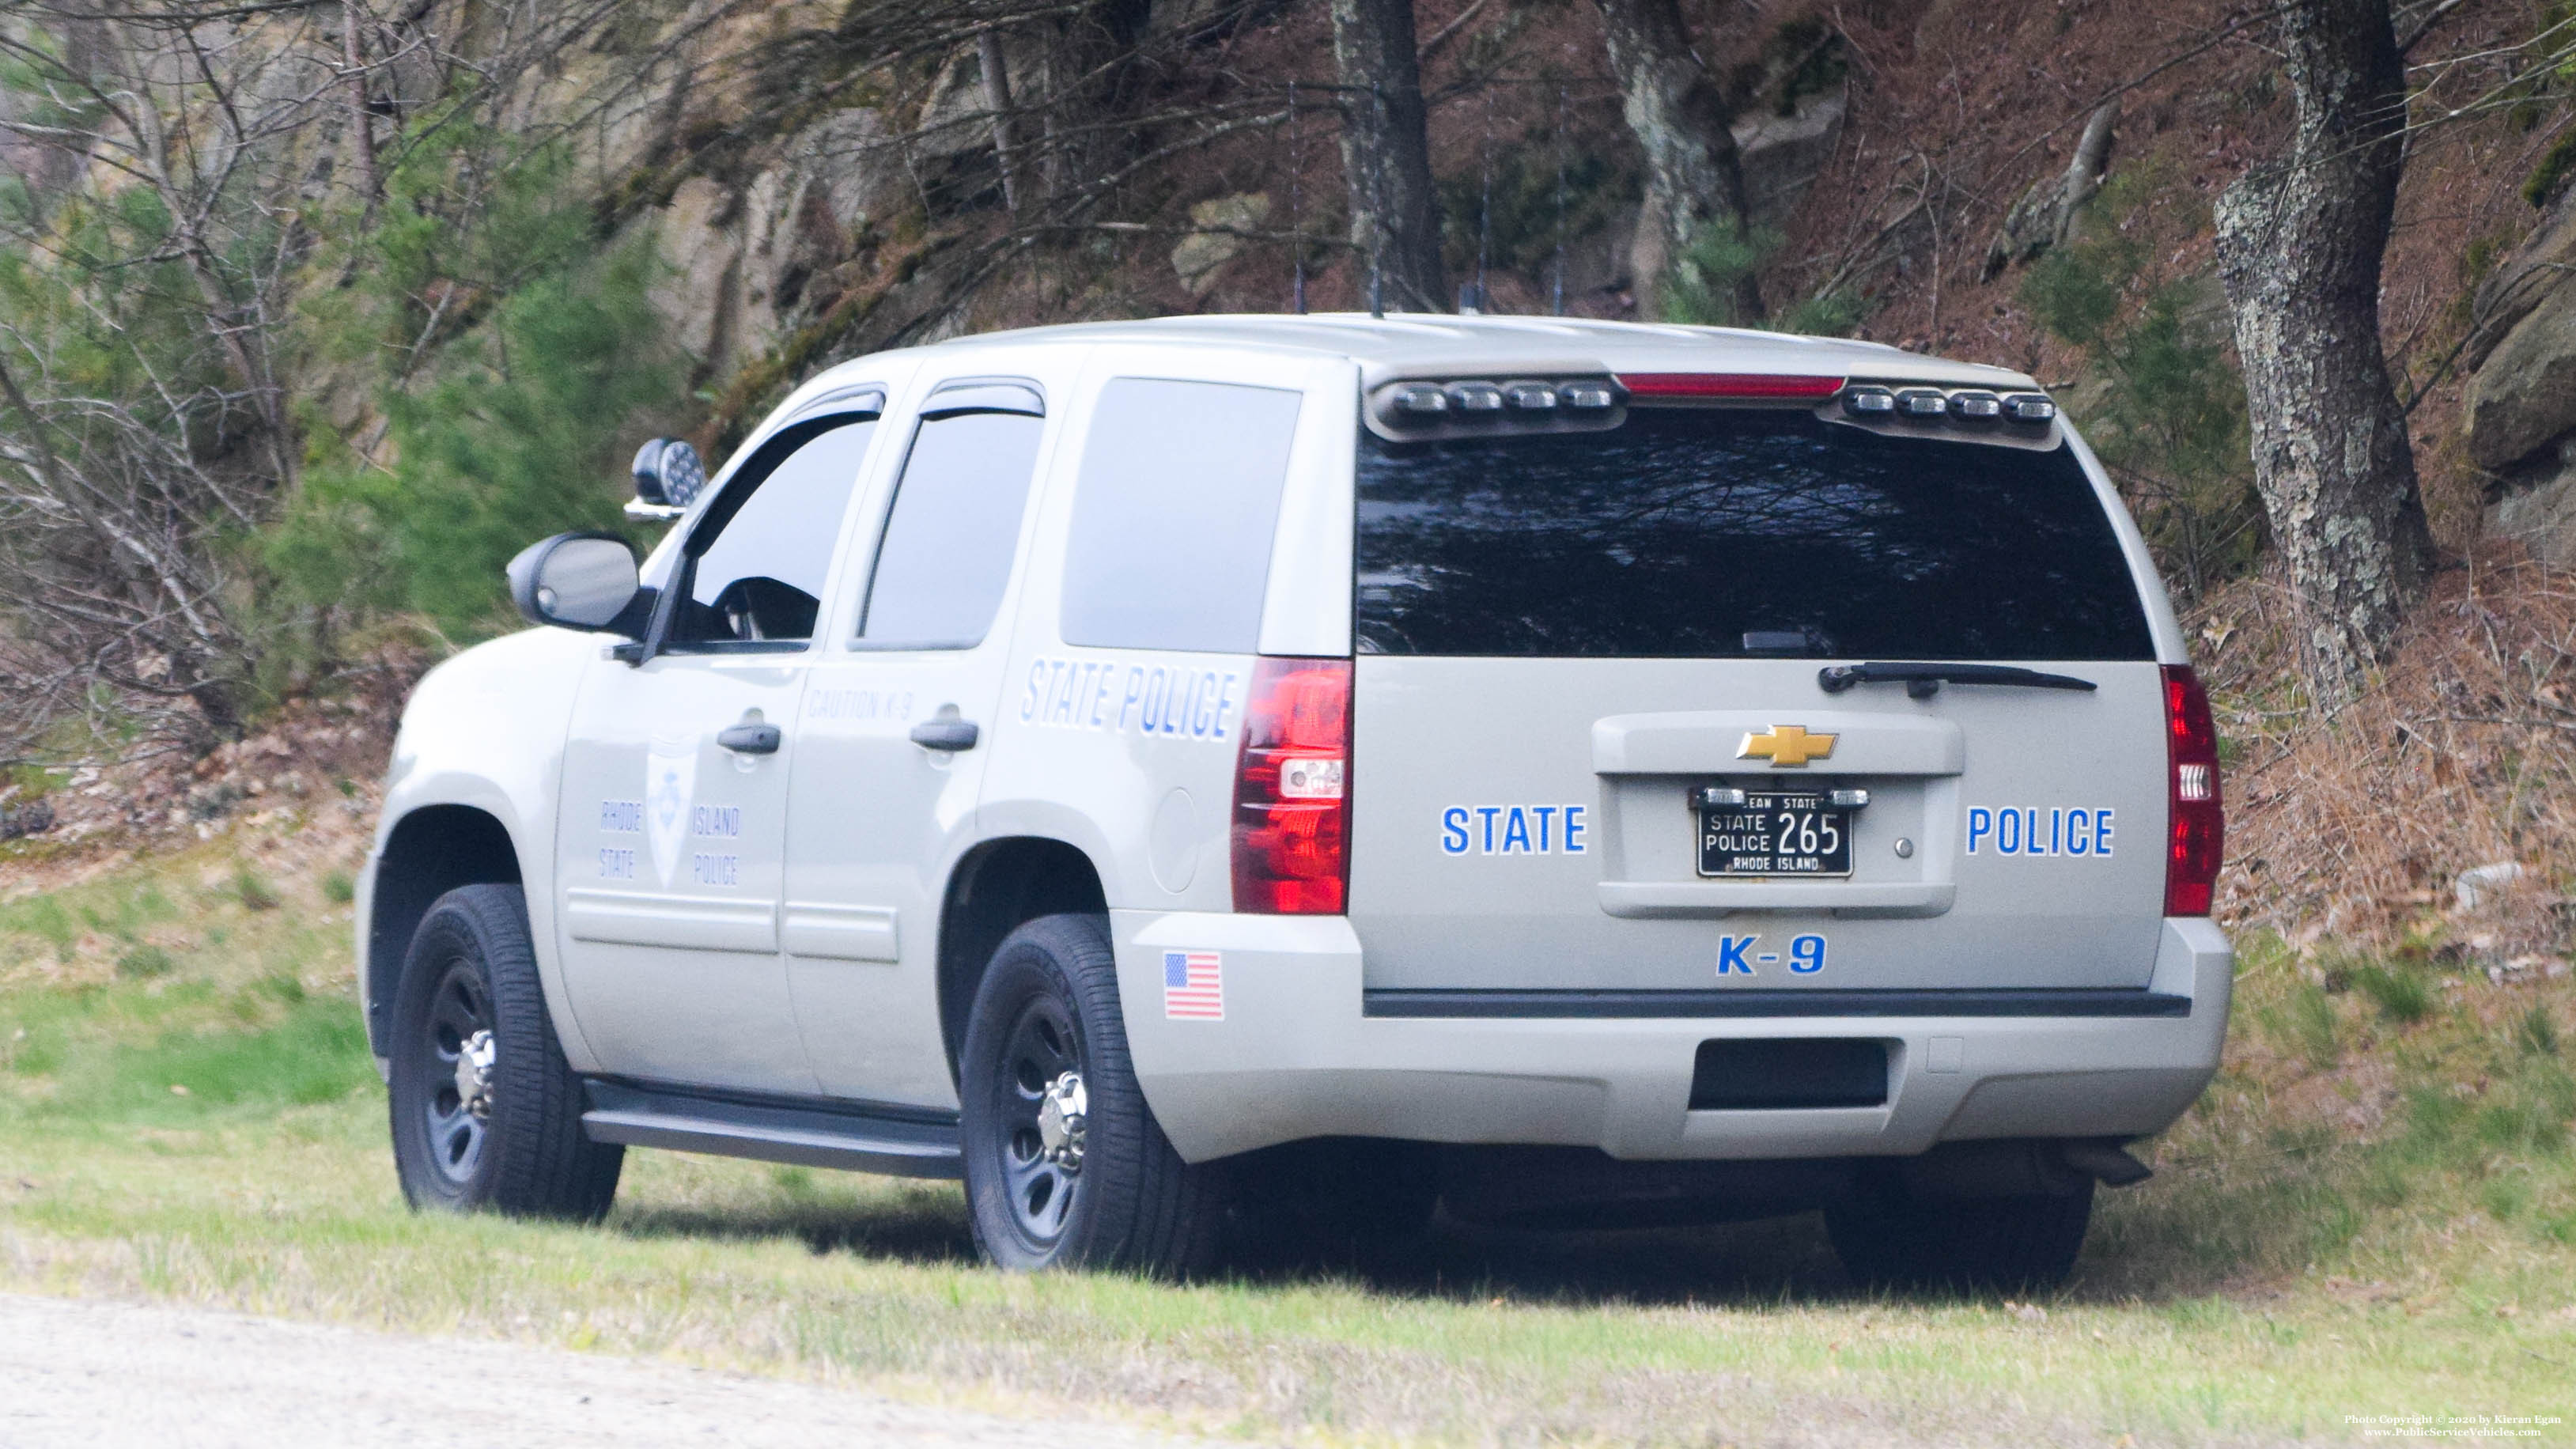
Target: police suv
x,y
1228,770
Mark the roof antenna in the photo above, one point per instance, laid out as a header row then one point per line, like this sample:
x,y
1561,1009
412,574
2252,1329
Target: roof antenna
x,y
1560,292
1558,302
1377,205
1296,225
1473,304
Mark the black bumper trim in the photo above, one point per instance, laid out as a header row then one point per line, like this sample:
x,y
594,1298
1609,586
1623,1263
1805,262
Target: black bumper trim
x,y
1730,1005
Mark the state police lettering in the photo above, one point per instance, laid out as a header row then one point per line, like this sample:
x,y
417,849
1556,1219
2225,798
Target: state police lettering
x,y
2031,830
619,817
1514,829
1147,699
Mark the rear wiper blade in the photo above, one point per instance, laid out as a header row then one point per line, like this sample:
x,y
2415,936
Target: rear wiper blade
x,y
1922,681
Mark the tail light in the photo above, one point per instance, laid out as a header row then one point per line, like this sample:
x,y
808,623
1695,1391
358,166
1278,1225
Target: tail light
x,y
1292,790
2199,825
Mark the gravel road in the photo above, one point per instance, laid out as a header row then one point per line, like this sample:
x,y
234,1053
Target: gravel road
x,y
94,1374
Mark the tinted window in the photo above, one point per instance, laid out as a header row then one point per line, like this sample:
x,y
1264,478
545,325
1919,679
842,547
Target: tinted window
x,y
759,574
1179,494
949,539
1684,531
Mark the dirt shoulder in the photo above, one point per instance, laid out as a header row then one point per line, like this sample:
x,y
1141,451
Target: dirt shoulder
x,y
86,1372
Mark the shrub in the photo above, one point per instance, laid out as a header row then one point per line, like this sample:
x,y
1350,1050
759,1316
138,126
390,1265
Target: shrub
x,y
252,890
145,962
2401,994
2167,413
1700,289
543,350
2537,1033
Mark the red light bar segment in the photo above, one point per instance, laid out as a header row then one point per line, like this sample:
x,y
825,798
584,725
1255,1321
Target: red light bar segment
x,y
1730,386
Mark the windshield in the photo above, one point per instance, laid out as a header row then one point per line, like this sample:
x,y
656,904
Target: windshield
x,y
1731,534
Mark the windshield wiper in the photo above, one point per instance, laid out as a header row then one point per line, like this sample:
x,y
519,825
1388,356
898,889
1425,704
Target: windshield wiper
x,y
1923,681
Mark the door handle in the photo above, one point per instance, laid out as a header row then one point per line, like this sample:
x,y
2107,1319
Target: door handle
x,y
946,733
749,739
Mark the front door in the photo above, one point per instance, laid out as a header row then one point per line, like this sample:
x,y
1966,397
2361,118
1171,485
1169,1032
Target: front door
x,y
674,798
892,744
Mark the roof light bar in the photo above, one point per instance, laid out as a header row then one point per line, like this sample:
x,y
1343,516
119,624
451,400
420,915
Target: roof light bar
x,y
1431,408
1729,386
1976,405
1970,406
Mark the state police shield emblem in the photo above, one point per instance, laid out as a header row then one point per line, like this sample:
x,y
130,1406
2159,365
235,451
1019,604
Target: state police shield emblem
x,y
670,786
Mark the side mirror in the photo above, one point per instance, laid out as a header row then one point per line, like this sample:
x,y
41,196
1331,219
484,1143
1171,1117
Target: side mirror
x,y
579,581
669,475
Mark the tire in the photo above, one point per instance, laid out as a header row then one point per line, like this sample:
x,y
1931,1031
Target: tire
x,y
1114,1195
2026,1244
472,969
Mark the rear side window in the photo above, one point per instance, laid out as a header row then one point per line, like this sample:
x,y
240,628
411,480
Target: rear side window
x,y
1730,534
1173,515
946,555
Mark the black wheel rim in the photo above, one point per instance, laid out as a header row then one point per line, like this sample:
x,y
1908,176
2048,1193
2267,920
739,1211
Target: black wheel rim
x,y
458,1008
1041,1048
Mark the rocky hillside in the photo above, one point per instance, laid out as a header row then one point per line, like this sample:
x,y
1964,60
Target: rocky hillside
x,y
419,279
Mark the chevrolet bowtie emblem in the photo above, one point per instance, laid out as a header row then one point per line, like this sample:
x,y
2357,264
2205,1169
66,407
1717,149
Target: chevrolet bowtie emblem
x,y
1786,746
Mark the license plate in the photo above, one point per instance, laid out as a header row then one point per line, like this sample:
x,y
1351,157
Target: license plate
x,y
1776,833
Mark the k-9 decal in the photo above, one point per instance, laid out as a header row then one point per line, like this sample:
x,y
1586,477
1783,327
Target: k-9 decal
x,y
1742,955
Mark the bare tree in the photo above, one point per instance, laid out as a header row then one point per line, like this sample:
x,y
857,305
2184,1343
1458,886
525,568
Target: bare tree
x,y
147,426
2300,240
1386,154
1694,178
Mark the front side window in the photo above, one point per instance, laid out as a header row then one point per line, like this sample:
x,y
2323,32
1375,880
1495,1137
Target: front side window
x,y
1173,515
756,565
1688,533
950,536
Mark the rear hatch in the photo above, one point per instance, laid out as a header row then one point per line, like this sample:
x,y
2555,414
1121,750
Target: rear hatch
x,y
1594,747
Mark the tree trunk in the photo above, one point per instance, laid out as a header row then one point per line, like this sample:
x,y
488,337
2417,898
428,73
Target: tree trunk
x,y
362,132
1395,214
997,99
2299,246
1694,179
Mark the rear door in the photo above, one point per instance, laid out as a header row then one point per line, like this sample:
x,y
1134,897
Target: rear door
x,y
1567,642
896,732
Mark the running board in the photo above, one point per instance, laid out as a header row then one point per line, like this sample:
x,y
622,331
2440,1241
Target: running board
x,y
805,1131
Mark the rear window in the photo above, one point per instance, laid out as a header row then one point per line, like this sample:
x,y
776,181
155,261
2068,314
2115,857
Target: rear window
x,y
1731,534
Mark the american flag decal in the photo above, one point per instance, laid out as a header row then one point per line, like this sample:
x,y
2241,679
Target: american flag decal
x,y
1194,985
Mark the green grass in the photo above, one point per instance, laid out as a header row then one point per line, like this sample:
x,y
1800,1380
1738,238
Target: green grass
x,y
2384,1223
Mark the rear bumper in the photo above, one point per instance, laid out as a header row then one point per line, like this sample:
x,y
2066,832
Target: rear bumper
x,y
1302,1051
